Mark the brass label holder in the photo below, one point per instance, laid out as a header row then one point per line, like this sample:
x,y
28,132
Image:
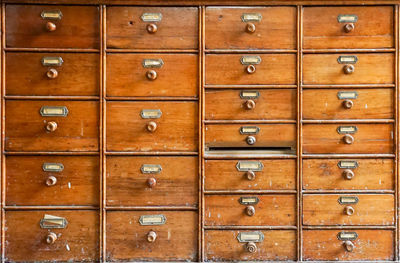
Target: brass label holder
x,y
249,130
151,114
51,14
249,94
347,164
347,95
348,200
53,167
347,236
250,60
347,18
347,59
249,200
347,129
50,222
52,61
152,63
151,220
151,169
254,236
54,111
151,17
244,166
251,17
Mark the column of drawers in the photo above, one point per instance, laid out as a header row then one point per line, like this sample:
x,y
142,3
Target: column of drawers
x,y
250,134
51,133
152,83
348,133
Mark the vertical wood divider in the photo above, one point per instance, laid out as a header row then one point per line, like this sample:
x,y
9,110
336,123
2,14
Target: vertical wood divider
x,y
202,130
102,224
3,161
396,128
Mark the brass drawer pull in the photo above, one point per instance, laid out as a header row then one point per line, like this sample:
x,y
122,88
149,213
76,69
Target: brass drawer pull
x,y
349,210
151,74
51,180
250,69
348,174
251,247
347,104
250,28
348,139
51,238
151,126
348,69
249,18
50,26
250,175
51,126
349,27
151,182
151,237
349,21
151,28
250,104
349,246
251,140
52,73
250,210
53,15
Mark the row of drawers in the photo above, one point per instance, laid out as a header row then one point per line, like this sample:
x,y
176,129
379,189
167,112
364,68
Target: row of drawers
x,y
142,236
177,28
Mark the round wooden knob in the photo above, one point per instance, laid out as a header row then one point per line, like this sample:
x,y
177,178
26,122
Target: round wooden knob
x,y
51,126
151,74
51,180
151,28
52,73
51,238
250,28
152,126
348,174
250,210
250,175
50,26
250,104
349,246
250,140
348,210
251,247
348,139
251,69
348,69
347,104
151,182
151,236
348,27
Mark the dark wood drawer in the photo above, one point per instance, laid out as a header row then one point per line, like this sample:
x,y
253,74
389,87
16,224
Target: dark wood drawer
x,y
39,26
52,125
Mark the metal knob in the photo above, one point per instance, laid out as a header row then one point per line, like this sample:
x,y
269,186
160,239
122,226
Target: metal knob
x,y
51,238
151,182
151,74
250,28
348,210
50,26
347,104
348,174
348,27
51,126
251,247
251,69
348,139
250,140
51,180
250,175
250,210
250,104
152,126
349,246
151,236
151,28
52,73
348,69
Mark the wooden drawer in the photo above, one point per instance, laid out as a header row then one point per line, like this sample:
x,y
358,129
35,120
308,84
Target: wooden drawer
x,y
129,240
52,180
377,68
348,209
271,136
150,181
176,28
28,130
232,28
134,75
348,174
279,104
234,69
250,210
250,174
26,240
29,26
369,245
369,138
348,27
223,245
176,129
52,74
322,104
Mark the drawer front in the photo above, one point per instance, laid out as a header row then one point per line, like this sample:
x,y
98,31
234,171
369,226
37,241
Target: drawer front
x,y
129,240
321,104
250,28
52,180
348,209
52,74
369,245
277,104
369,138
152,27
238,70
164,126
152,75
271,136
348,174
27,240
250,210
348,27
40,26
223,245
147,181
75,128
250,174
377,68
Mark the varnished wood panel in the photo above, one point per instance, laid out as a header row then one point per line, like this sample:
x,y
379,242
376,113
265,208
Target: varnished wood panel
x,y
178,76
127,239
176,184
77,184
226,29
271,210
26,240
